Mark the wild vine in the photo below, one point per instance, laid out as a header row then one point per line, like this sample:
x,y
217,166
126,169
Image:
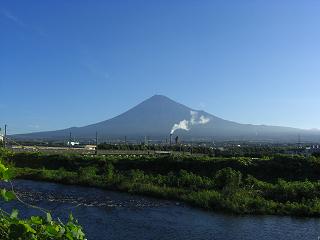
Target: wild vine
x,y
35,227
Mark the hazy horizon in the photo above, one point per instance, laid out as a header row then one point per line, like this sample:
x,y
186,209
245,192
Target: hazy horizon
x,y
71,63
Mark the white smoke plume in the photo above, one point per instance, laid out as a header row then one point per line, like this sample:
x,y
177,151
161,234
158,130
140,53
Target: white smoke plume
x,y
194,120
194,116
204,120
184,124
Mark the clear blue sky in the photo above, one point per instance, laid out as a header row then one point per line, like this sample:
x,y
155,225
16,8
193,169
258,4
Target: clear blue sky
x,y
72,63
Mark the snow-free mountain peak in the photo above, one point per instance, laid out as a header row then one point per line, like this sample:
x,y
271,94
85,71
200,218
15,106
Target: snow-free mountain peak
x,y
159,115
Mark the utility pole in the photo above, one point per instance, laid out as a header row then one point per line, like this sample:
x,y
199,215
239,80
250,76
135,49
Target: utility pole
x,y
5,136
69,140
96,152
191,146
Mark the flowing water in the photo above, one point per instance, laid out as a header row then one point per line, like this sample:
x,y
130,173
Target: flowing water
x,y
111,215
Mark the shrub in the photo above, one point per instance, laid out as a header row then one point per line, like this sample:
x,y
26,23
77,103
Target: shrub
x,y
228,179
35,227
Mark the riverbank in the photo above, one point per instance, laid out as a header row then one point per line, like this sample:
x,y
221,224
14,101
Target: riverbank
x,y
123,216
240,201
224,185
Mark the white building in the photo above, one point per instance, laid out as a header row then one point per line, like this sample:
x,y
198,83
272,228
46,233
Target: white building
x,y
72,143
90,147
1,137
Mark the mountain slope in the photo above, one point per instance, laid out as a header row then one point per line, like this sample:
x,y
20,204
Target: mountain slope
x,y
156,116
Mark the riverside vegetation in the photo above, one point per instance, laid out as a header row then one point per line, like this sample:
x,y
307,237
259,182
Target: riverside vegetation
x,y
36,227
279,184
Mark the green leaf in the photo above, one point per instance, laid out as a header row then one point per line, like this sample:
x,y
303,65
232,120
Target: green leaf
x,y
51,230
4,173
36,220
29,228
49,218
14,214
7,195
69,236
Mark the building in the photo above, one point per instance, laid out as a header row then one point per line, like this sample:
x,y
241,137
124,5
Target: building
x,y
1,137
90,147
73,143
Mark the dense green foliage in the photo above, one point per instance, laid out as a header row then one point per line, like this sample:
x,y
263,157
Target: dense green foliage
x,y
222,150
35,227
282,184
269,169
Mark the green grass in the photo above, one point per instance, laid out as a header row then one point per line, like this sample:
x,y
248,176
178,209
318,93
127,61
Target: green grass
x,y
227,191
280,185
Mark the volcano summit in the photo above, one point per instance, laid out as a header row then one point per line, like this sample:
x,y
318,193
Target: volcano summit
x,y
159,116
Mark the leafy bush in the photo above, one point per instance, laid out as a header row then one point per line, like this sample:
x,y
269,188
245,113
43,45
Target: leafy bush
x,y
228,179
274,184
35,227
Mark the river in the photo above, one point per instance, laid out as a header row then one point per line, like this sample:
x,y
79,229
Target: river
x,y
111,215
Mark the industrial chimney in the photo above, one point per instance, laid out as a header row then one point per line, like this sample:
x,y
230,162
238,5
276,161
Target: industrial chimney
x,y
176,140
